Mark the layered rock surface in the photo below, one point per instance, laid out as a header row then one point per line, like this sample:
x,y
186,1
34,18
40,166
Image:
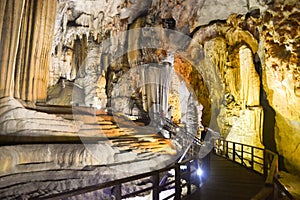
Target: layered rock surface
x,y
101,152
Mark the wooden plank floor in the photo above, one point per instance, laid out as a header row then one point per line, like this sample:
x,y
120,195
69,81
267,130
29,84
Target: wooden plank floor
x,y
228,180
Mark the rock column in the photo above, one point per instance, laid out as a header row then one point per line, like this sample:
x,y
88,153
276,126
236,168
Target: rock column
x,y
10,23
26,38
26,42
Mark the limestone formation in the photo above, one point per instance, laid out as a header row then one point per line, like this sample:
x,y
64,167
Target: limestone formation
x,y
250,83
238,70
281,77
11,23
24,69
26,48
56,168
232,79
17,121
195,84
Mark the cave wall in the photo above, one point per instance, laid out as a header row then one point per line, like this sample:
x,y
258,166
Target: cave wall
x,y
78,21
224,53
280,72
224,50
228,69
272,42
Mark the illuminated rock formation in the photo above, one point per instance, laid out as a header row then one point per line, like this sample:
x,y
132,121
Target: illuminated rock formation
x,y
24,68
250,83
281,77
28,38
237,64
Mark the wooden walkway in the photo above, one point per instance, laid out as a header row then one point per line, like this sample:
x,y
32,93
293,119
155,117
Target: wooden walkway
x,y
228,180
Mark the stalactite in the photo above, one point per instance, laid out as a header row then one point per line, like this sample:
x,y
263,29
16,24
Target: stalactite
x,y
156,81
79,54
22,57
10,23
27,43
133,42
250,83
44,15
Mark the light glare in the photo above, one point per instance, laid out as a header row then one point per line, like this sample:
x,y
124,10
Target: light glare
x,y
199,172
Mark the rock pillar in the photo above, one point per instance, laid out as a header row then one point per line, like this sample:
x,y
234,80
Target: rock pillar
x,y
10,23
26,40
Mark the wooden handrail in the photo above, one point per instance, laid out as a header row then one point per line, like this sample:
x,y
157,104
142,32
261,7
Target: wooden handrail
x,y
272,166
269,163
156,188
239,155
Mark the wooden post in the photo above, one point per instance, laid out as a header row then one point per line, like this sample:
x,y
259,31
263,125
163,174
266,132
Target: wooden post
x,y
155,195
242,155
265,164
233,151
252,158
177,182
275,192
118,192
223,148
189,189
226,142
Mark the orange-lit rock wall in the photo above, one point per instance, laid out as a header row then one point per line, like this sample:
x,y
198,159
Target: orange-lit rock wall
x,y
195,82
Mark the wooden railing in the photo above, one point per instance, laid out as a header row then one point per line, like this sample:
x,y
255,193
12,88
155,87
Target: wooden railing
x,y
181,180
257,159
247,155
